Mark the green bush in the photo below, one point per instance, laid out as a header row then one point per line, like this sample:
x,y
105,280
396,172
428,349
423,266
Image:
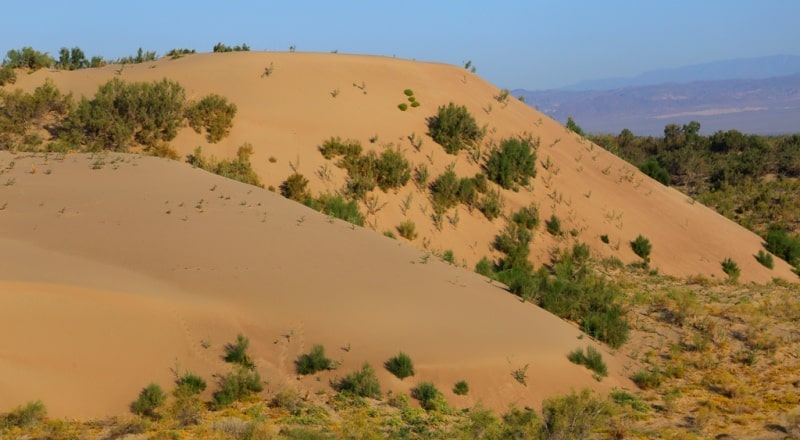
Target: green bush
x,y
313,361
22,113
190,384
648,379
642,247
401,366
553,225
513,164
430,398
415,104
604,238
26,416
454,128
71,59
591,359
623,398
514,242
467,192
485,267
730,268
521,424
445,190
213,113
402,106
461,388
780,243
392,170
574,416
656,171
362,383
219,47
337,207
408,92
408,230
765,259
178,53
334,147
236,353
7,75
239,169
295,187
449,256
27,58
491,204
527,217
150,399
140,57
237,385
574,127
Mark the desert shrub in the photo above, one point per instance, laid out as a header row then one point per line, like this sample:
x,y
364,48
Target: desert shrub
x,y
237,385
393,170
553,225
236,353
187,406
401,366
574,416
389,234
514,243
362,383
468,192
521,424
491,204
415,104
623,398
239,169
407,230
449,256
607,324
421,175
314,361
32,413
334,147
656,171
408,92
402,106
337,207
591,359
219,47
122,113
485,267
641,246
21,113
140,57
71,59
288,399
445,190
454,128
780,243
604,238
150,399
574,127
730,268
213,113
7,75
461,388
178,53
513,164
765,259
430,398
191,383
527,217
295,187
27,58
648,379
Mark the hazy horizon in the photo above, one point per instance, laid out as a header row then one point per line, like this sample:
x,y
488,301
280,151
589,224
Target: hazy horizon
x,y
513,44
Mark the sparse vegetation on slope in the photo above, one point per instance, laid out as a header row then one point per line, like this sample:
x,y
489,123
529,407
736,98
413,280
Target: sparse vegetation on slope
x,y
454,128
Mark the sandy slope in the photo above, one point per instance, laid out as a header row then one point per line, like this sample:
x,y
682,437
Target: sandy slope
x,y
104,291
202,258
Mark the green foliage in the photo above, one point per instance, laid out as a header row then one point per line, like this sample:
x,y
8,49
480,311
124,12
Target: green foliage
x,y
27,58
21,113
219,47
31,414
312,362
213,113
121,113
485,267
513,164
527,217
574,127
461,388
445,190
408,92
626,399
401,366
730,268
430,398
239,169
334,147
415,104
389,170
454,128
237,385
150,399
407,230
190,384
641,246
491,204
7,75
178,53
765,259
553,225
514,242
236,353
604,238
574,416
656,171
521,424
449,256
295,187
392,169
362,383
140,57
591,359
71,59
402,106
780,243
337,207
648,379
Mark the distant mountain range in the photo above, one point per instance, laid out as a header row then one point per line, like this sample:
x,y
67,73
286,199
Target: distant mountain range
x,y
758,95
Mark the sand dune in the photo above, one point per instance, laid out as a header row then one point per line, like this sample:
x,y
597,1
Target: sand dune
x,y
118,273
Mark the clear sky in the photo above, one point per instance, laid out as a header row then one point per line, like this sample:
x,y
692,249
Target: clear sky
x,y
514,44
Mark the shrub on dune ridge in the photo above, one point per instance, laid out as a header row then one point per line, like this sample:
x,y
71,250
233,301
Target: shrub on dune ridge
x,y
213,113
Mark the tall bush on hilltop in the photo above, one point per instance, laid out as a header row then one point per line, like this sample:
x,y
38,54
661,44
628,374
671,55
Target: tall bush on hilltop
x,y
454,128
27,58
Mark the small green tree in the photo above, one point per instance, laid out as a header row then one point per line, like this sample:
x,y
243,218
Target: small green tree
x,y
393,170
513,163
445,190
28,58
313,361
454,128
150,399
642,247
213,113
401,366
236,353
731,269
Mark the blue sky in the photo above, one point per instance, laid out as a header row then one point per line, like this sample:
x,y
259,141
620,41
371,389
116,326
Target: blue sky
x,y
513,44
